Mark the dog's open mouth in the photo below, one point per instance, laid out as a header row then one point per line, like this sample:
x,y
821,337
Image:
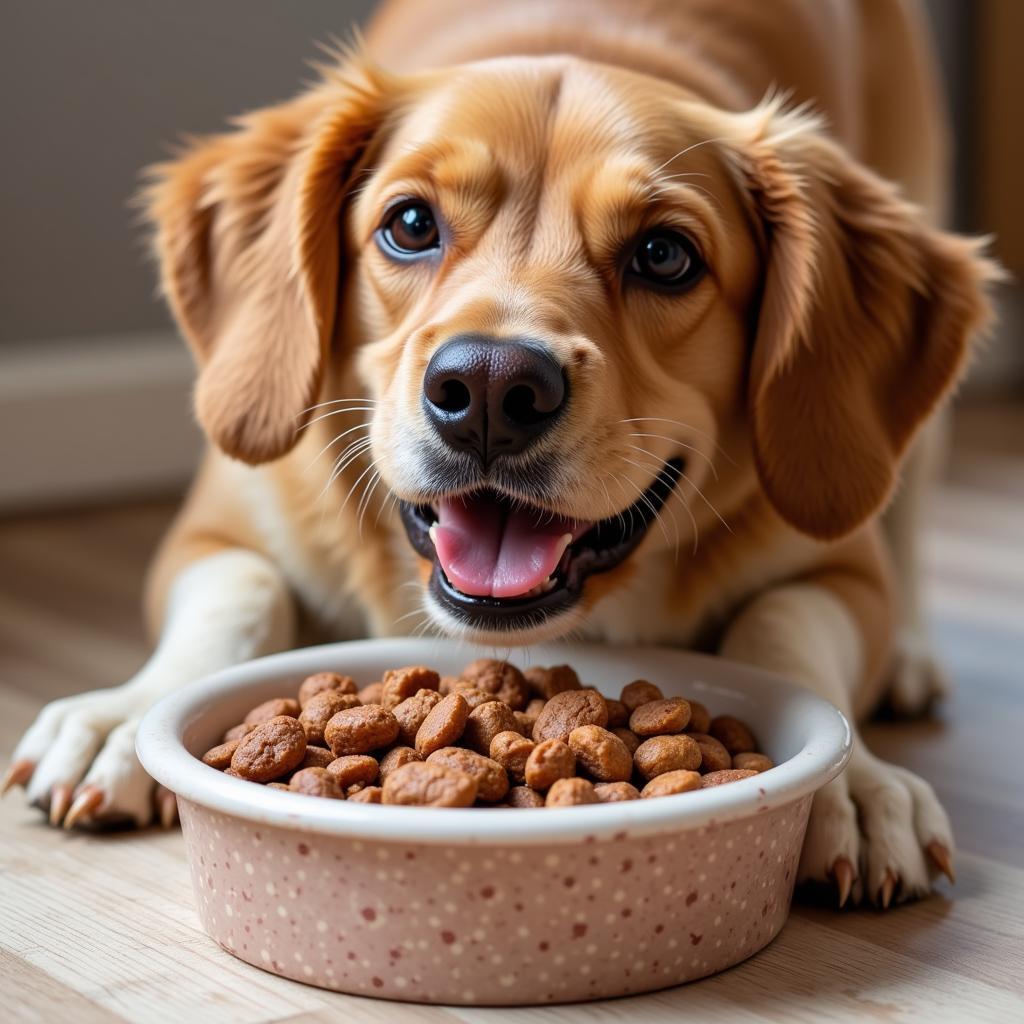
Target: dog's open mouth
x,y
503,564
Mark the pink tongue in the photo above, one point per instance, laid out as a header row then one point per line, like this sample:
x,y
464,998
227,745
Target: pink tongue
x,y
488,549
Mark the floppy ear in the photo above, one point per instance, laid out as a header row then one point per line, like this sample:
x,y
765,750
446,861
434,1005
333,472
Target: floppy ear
x,y
247,237
865,322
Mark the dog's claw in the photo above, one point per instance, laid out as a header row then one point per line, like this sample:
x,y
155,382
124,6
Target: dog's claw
x,y
87,801
844,875
60,801
941,858
17,774
886,890
167,806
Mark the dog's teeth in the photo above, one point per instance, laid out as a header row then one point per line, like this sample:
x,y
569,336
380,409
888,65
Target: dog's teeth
x,y
565,540
547,585
432,534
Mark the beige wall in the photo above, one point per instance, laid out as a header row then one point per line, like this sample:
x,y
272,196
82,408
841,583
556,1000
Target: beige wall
x,y
91,91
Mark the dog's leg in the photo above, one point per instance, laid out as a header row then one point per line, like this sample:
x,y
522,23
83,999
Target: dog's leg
x,y
916,678
878,832
78,758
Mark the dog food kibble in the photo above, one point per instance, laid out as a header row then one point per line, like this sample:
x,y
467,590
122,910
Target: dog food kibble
x,y
316,782
566,792
679,781
485,722
220,755
325,681
400,683
511,750
272,709
751,761
729,775
274,748
658,717
412,713
601,753
549,761
661,754
640,692
613,792
490,736
505,681
360,730
420,783
444,725
732,734
567,711
320,709
713,756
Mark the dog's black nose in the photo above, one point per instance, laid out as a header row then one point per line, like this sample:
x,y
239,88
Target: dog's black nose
x,y
492,396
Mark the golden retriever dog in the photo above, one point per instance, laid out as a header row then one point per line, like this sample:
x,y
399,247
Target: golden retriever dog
x,y
567,318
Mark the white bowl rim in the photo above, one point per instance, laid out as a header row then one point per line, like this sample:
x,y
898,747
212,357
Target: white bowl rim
x,y
162,752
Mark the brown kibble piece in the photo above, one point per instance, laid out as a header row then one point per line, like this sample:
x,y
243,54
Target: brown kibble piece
x,y
316,782
420,783
320,709
360,730
660,717
713,756
272,749
505,681
569,792
236,732
412,713
567,711
485,722
325,682
524,723
368,795
474,697
680,781
639,692
546,682
491,780
370,694
279,785
700,718
603,755
531,714
400,684
219,757
443,725
751,761
727,776
733,734
618,714
614,792
661,754
549,761
628,737
511,750
449,684
395,758
316,757
274,708
354,768
523,796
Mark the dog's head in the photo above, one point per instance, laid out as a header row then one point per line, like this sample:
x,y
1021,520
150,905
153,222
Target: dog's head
x,y
585,308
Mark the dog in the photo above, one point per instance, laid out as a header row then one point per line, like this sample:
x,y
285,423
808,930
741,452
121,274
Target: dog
x,y
560,318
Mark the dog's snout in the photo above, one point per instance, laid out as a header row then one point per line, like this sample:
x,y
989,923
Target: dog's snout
x,y
492,396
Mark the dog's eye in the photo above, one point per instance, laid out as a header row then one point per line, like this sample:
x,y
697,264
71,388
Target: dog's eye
x,y
666,258
410,229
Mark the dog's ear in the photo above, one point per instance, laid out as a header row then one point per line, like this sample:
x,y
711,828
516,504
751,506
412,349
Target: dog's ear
x,y
247,237
865,321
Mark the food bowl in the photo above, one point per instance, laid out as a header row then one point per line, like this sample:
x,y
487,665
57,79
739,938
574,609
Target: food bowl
x,y
496,906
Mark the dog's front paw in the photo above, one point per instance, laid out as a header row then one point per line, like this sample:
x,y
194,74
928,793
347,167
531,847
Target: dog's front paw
x,y
916,676
878,833
77,762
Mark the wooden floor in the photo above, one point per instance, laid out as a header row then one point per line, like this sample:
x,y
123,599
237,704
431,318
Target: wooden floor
x,y
95,929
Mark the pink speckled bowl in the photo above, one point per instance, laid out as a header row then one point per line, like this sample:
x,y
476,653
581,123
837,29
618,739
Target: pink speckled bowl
x,y
496,906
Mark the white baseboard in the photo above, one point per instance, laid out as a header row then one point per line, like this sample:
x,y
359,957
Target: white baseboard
x,y
90,418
